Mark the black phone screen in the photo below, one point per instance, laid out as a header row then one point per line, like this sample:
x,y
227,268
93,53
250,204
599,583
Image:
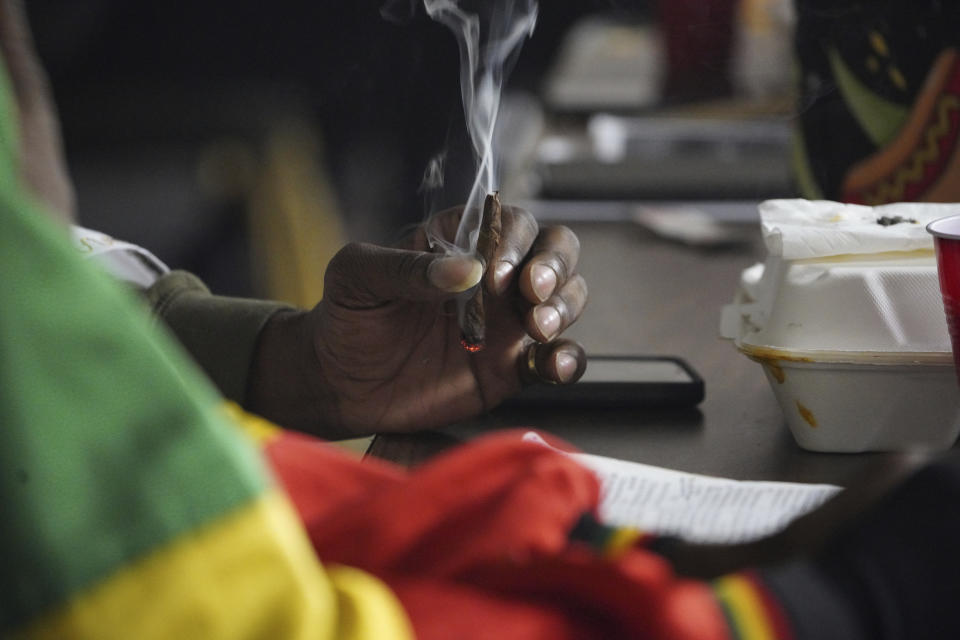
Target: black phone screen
x,y
622,381
634,370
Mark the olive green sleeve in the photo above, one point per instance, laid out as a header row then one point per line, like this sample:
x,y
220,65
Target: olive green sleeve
x,y
219,332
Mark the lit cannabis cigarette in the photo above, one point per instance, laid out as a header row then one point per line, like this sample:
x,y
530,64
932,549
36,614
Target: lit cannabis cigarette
x,y
473,321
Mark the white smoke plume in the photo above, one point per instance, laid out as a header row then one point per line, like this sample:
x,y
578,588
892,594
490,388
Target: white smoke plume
x,y
490,34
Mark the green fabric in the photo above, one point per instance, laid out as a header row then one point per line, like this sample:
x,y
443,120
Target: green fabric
x,y
111,443
879,118
219,332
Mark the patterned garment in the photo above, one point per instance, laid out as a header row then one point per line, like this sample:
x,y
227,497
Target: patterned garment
x,y
499,538
133,506
879,112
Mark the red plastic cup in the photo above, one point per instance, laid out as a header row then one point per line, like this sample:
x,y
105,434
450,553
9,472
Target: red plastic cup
x,y
946,240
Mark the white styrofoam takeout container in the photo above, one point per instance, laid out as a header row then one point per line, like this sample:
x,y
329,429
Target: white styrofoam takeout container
x,y
855,347
871,406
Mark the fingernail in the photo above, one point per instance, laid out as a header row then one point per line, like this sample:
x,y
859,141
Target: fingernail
x,y
548,321
501,276
455,274
544,281
566,366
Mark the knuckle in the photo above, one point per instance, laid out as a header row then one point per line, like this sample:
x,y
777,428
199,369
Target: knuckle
x,y
523,216
340,277
413,270
524,221
574,242
407,265
579,288
444,224
520,233
566,235
571,299
560,249
561,264
346,259
563,308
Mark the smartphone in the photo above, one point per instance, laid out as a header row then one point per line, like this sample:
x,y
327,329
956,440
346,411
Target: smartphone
x,y
622,381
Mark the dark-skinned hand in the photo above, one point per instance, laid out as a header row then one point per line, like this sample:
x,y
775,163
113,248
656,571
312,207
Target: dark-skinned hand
x,y
381,352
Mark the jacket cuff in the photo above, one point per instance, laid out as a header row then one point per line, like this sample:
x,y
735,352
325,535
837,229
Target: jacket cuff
x,y
219,332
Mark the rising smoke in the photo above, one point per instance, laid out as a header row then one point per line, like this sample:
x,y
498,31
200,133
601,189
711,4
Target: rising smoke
x,y
489,34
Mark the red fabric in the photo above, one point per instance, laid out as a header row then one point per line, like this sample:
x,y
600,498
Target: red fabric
x,y
323,481
776,616
475,614
475,544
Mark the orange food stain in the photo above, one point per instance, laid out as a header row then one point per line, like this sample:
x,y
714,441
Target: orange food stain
x,y
807,415
765,354
775,370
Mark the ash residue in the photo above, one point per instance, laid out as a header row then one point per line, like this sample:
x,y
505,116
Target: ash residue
x,y
886,221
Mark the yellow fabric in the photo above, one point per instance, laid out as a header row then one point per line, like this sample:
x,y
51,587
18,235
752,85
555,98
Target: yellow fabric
x,y
745,607
262,431
256,428
622,539
366,607
251,574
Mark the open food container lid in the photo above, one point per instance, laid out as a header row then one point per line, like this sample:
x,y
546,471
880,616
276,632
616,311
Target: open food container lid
x,y
843,283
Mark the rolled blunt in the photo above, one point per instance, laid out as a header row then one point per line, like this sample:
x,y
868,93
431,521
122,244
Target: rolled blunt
x,y
473,323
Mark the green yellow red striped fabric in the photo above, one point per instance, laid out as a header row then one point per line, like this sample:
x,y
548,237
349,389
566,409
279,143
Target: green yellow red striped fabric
x,y
751,611
134,508
131,506
609,541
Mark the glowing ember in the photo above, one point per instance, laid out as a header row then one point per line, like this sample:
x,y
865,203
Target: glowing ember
x,y
472,347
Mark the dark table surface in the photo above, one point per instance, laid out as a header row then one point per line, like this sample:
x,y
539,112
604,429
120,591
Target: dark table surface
x,y
652,296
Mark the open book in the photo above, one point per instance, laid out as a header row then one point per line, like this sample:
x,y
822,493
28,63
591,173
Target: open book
x,y
695,507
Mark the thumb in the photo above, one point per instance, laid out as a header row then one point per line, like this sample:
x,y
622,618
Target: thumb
x,y
365,275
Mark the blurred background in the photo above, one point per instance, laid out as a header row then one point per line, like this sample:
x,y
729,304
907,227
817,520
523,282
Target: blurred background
x,y
246,142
